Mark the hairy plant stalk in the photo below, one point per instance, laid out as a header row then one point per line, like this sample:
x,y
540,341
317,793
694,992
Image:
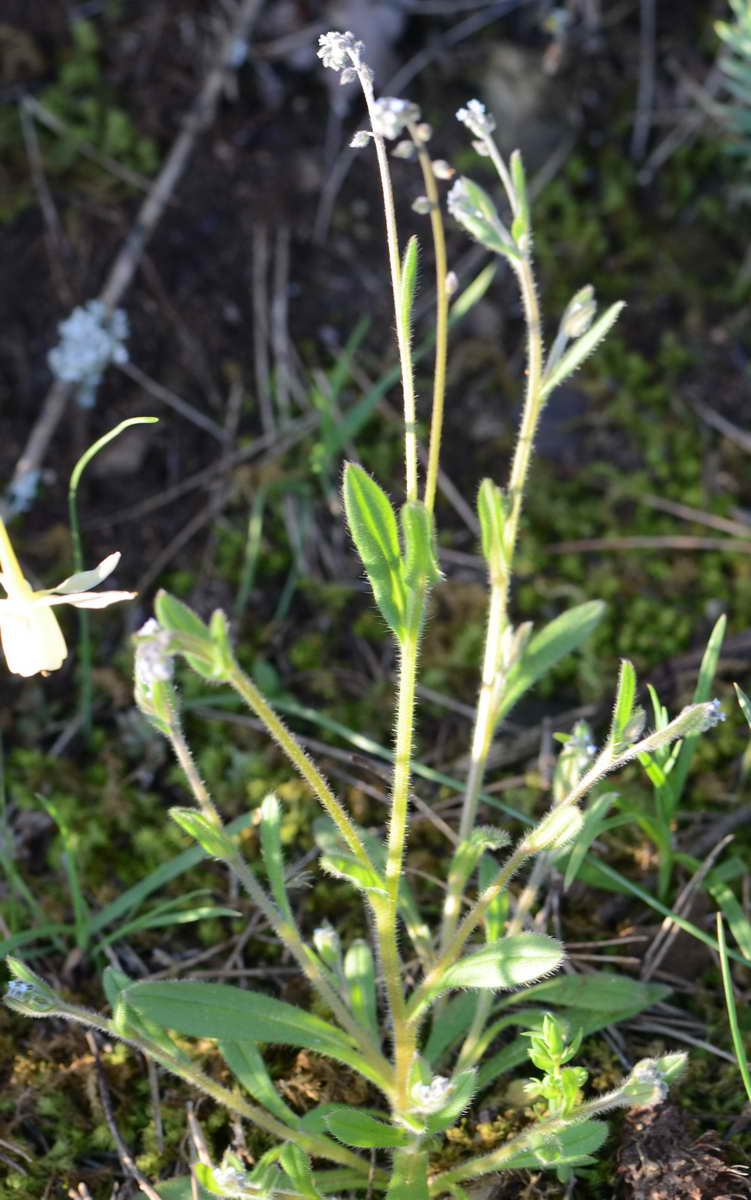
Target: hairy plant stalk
x,y
473,1045
498,618
388,922
189,769
441,320
299,759
395,269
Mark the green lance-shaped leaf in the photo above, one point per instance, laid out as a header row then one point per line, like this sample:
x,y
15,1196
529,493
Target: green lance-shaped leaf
x,y
463,1087
375,533
571,1146
246,1063
420,564
623,711
217,1010
360,976
209,836
744,702
496,913
219,633
472,207
356,1128
520,226
296,1163
492,511
128,1022
409,284
271,850
344,866
192,636
580,349
508,963
598,991
560,637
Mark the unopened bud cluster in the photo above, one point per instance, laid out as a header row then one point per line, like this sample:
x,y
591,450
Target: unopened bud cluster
x,y
342,52
431,1097
476,118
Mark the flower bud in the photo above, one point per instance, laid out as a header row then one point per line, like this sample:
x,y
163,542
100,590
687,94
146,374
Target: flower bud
x,y
556,830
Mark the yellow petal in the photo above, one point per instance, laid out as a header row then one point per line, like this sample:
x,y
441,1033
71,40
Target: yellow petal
x,y
32,640
12,575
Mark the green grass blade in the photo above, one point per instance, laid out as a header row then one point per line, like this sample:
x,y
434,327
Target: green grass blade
x,y
735,1033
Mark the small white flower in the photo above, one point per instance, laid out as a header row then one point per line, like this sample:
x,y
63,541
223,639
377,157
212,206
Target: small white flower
x,y
153,661
422,205
431,1097
339,50
360,139
392,116
476,118
90,339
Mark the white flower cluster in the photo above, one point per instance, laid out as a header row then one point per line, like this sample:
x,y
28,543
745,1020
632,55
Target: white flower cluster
x,y
90,339
153,661
431,1097
391,116
342,52
477,119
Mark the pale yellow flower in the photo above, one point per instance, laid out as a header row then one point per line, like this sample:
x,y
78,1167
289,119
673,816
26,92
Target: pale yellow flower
x,y
31,637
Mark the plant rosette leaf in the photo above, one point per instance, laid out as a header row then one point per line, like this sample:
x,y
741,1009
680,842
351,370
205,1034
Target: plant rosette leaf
x,y
217,1010
357,1128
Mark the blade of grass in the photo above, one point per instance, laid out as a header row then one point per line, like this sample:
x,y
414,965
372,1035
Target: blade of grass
x,y
735,1032
84,640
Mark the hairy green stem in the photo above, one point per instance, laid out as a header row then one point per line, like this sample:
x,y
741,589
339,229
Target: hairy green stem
x,y
388,912
441,320
299,759
549,1127
499,586
395,268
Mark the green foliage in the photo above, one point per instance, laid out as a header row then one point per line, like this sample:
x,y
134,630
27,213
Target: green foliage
x,y
85,110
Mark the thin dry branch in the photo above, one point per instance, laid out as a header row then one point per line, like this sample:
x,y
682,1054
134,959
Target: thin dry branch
x,y
197,118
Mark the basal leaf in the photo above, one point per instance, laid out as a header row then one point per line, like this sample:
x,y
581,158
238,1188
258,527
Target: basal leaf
x,y
247,1065
217,1010
356,1128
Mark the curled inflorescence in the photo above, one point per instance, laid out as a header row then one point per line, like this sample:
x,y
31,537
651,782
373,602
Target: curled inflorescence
x,y
476,118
